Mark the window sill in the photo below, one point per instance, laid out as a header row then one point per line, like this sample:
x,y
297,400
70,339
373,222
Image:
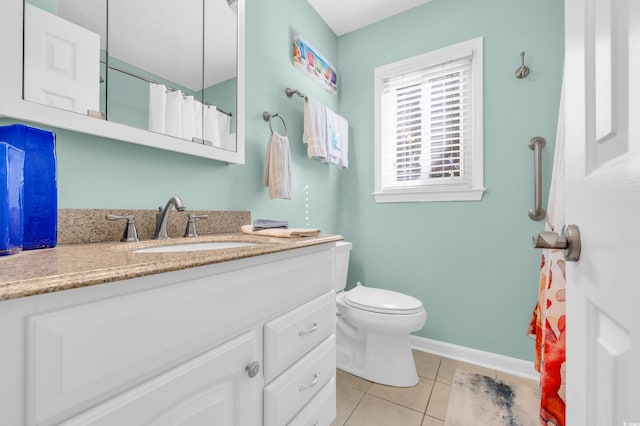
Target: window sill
x,y
466,194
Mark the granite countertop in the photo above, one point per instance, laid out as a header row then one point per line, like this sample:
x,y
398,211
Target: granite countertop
x,y
78,265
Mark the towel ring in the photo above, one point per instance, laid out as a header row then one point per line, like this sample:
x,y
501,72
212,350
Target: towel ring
x,y
268,116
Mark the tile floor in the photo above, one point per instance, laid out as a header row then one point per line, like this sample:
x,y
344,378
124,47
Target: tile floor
x,y
362,403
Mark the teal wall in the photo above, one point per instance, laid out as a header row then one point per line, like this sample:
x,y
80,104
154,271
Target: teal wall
x,y
223,95
127,99
469,262
50,6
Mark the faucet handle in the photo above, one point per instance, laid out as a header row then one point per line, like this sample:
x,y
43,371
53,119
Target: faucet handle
x,y
191,224
130,233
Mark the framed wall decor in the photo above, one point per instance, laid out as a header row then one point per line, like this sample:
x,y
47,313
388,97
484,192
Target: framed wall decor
x,y
309,61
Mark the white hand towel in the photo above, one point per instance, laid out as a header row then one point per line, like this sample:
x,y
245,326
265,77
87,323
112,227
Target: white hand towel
x,y
337,140
315,129
157,107
173,117
277,167
281,233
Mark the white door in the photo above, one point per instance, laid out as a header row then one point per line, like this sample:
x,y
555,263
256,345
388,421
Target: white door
x,y
61,62
602,81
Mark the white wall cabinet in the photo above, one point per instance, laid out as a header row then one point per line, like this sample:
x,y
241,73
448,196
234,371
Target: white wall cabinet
x,y
173,348
13,105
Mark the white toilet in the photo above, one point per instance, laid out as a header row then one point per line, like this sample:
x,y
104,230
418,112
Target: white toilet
x,y
373,329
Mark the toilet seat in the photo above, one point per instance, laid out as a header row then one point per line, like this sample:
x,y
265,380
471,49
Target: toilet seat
x,y
382,301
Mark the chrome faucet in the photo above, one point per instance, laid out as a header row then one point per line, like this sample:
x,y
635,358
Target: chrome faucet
x,y
163,215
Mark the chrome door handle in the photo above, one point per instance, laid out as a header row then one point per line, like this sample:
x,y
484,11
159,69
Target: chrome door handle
x,y
568,240
309,331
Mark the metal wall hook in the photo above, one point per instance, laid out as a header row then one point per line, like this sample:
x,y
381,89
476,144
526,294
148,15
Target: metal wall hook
x,y
523,70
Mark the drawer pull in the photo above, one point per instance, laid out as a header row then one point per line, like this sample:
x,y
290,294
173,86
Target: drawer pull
x,y
309,331
252,369
310,385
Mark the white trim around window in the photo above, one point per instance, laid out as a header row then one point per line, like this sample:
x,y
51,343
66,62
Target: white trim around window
x,y
428,126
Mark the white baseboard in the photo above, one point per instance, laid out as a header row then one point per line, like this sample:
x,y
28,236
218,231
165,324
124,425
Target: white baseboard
x,y
515,366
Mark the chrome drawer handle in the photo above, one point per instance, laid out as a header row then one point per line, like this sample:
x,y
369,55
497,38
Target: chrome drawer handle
x,y
309,331
310,385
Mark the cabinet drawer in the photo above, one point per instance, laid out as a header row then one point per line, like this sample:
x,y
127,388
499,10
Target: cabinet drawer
x,y
289,337
286,395
321,411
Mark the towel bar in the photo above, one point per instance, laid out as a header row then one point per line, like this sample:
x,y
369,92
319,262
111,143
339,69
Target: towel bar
x,y
291,92
536,144
267,116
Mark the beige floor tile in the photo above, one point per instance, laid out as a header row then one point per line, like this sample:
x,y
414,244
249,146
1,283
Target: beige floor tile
x,y
431,421
426,364
415,397
347,399
437,406
373,411
510,378
448,367
352,381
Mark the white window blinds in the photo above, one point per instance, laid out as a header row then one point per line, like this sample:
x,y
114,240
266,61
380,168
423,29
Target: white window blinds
x,y
428,118
425,126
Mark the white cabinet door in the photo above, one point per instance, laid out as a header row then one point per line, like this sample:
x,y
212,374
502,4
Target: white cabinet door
x,y
61,62
212,389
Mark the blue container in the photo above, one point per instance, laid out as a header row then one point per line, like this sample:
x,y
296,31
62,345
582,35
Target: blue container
x,y
40,202
11,185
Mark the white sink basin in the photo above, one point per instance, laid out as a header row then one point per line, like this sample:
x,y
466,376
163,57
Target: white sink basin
x,y
214,245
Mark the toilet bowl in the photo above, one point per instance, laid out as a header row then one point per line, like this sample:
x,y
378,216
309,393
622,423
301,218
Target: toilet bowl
x,y
373,329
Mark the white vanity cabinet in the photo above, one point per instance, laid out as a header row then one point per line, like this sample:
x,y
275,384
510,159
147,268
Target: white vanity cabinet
x,y
246,342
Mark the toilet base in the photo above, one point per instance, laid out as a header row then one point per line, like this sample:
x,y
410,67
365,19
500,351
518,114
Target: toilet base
x,y
380,358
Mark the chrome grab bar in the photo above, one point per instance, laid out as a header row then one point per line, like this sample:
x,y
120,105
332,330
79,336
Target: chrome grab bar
x,y
536,144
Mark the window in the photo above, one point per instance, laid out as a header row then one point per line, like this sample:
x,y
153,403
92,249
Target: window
x,y
429,126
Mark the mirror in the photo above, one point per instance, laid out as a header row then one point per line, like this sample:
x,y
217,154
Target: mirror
x,y
167,67
63,49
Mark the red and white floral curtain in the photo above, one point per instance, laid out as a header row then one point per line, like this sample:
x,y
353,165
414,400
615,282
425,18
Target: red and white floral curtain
x,y
548,324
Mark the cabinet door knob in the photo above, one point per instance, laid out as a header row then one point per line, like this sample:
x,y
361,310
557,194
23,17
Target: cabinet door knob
x,y
253,369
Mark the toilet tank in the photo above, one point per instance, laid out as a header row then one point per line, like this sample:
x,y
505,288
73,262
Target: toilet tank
x,y
341,253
